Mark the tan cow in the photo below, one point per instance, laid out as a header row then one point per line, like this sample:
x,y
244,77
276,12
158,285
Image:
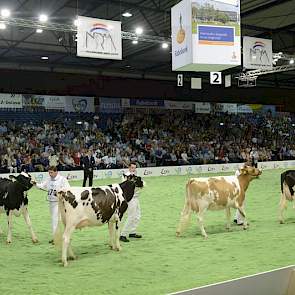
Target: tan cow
x,y
216,193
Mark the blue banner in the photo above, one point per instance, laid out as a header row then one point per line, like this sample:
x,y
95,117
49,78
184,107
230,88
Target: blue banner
x,y
139,102
216,35
110,105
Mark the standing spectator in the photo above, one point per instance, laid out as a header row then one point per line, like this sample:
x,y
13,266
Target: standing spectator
x,y
88,163
133,211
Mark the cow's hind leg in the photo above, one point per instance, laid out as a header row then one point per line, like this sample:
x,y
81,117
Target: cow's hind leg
x,y
66,243
29,224
9,222
184,218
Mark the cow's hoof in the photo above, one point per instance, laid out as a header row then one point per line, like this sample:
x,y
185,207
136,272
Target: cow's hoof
x,y
65,263
35,241
245,227
73,257
281,222
8,242
117,248
205,237
178,234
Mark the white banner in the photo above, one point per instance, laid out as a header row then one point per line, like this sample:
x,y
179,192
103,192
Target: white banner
x,y
8,101
202,107
257,53
99,38
178,105
181,24
53,102
79,104
166,171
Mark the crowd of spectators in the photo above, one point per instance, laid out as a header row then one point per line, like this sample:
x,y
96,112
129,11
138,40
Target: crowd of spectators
x,y
170,138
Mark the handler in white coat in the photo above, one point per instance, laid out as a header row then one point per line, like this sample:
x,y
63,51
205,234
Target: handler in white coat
x,y
133,211
52,184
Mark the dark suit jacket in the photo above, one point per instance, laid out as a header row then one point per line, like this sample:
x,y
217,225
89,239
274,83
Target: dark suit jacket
x,y
88,164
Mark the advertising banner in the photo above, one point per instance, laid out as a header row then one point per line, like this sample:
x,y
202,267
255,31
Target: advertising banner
x,y
146,103
203,107
99,38
110,105
257,53
11,101
178,105
79,104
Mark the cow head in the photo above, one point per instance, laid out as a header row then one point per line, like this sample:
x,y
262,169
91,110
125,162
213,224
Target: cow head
x,y
253,172
130,184
24,179
138,182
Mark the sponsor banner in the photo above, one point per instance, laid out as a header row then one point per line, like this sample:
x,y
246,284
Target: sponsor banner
x,y
231,108
216,28
125,103
210,35
252,108
178,105
163,171
53,102
257,53
31,100
181,18
99,38
203,107
79,104
110,105
11,101
146,103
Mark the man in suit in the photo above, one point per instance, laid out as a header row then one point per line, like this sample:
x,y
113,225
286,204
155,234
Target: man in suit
x,y
88,163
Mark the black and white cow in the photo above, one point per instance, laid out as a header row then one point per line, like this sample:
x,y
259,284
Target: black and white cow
x,y
14,201
287,189
81,207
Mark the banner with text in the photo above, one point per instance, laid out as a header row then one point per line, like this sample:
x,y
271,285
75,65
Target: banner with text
x,y
110,105
99,38
11,101
178,105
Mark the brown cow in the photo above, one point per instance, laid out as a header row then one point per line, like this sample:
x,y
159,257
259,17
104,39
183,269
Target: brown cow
x,y
216,193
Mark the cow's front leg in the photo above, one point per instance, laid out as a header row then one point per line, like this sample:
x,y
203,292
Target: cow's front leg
x,y
201,222
111,226
71,255
9,222
243,213
117,236
66,242
283,206
29,224
228,218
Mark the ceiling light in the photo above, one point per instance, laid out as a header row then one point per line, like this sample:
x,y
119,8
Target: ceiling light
x,y
43,18
44,57
291,61
134,41
5,13
165,45
138,31
2,26
127,14
39,31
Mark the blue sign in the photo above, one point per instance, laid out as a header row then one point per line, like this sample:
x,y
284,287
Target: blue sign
x,y
146,102
216,35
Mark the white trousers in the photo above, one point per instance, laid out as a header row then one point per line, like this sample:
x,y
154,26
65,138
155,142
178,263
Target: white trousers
x,y
53,207
133,217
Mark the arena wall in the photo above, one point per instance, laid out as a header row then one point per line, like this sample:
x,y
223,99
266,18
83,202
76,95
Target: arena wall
x,y
165,171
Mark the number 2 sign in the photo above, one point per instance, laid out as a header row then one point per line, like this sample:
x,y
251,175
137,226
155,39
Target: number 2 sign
x,y
215,78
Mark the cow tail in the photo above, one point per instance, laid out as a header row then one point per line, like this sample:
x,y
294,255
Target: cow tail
x,y
59,230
